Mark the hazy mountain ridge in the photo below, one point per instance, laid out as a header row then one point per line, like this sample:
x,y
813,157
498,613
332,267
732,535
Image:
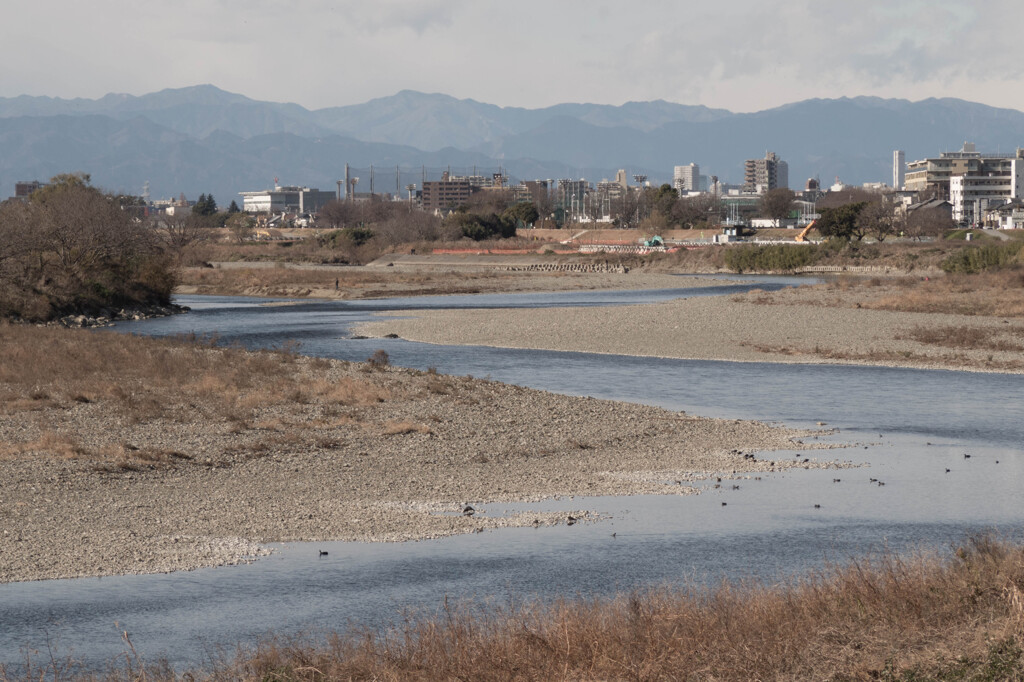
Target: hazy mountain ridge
x,y
427,121
203,139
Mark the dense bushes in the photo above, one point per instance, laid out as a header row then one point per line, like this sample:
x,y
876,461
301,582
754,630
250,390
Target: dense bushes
x,y
479,227
776,257
976,259
72,248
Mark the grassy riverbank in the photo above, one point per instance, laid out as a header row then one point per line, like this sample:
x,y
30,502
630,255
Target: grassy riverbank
x,y
959,617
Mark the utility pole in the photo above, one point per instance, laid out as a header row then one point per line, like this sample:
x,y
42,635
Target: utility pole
x,y
640,179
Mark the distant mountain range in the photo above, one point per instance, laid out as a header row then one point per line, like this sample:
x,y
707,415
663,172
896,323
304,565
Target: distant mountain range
x,y
203,139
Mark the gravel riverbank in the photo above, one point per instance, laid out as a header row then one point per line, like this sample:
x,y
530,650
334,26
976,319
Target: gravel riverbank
x,y
90,491
805,324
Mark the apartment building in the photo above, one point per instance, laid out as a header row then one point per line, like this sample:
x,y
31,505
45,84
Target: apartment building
x,y
762,175
686,178
972,181
973,194
442,195
934,174
530,190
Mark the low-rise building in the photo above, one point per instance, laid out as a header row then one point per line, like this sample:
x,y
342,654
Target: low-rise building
x,y
1009,216
288,199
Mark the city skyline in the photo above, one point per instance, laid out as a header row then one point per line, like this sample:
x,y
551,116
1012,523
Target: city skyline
x,y
745,57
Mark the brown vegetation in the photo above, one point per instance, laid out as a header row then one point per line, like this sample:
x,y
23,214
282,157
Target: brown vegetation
x,y
997,293
361,283
985,338
71,248
138,380
893,357
877,618
994,293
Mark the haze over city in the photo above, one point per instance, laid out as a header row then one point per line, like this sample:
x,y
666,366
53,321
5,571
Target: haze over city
x,y
743,56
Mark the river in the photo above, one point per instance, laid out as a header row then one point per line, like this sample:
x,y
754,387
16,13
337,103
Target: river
x,y
909,427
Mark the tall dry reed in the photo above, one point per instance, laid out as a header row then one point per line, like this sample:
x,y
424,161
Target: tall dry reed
x,y
884,617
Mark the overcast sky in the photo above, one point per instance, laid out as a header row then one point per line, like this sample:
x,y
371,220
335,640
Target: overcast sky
x,y
742,55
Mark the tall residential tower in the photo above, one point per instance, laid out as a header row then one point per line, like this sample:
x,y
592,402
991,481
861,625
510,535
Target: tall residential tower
x,y
899,166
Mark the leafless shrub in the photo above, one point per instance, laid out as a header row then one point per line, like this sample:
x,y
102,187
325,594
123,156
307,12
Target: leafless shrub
x,y
379,360
438,385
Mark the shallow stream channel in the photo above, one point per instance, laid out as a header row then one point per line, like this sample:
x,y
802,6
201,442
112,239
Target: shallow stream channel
x,y
908,426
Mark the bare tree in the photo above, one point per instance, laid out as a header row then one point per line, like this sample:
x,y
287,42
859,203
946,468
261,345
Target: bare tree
x,y
337,214
878,219
927,222
777,204
850,195
626,209
181,231
72,247
242,227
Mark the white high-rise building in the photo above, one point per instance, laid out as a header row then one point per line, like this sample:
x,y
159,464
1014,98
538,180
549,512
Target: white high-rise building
x,y
686,178
899,167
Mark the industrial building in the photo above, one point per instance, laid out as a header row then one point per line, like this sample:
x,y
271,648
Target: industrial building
x,y
289,199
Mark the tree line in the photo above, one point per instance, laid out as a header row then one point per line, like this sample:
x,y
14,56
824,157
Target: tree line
x,y
72,248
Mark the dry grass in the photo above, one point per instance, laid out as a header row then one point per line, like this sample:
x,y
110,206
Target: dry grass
x,y
878,618
874,618
296,281
997,294
397,428
902,357
964,337
993,294
132,380
49,443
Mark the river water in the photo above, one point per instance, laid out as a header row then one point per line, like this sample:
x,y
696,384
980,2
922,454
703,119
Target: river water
x,y
909,426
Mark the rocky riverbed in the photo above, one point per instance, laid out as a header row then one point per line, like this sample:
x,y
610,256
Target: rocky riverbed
x,y
98,487
805,324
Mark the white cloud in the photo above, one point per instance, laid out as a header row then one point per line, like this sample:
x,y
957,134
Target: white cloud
x,y
745,55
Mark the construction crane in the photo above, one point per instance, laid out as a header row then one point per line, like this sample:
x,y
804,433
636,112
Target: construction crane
x,y
802,237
